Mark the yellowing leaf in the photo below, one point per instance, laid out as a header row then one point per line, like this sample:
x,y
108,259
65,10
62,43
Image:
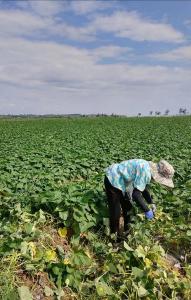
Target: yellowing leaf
x,y
48,291
32,249
28,248
159,215
87,253
100,291
127,247
141,216
165,274
24,293
140,252
62,232
67,282
142,291
147,262
66,261
50,255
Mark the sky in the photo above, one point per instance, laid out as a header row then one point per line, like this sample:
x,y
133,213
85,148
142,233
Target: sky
x,y
88,57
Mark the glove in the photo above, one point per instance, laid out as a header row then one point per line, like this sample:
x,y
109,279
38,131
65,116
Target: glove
x,y
154,208
149,214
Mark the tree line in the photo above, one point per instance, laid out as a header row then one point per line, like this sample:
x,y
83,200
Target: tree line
x,y
182,111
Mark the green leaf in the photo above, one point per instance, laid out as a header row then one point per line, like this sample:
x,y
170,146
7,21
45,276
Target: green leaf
x,y
138,273
63,215
24,293
103,289
24,247
29,228
56,270
112,268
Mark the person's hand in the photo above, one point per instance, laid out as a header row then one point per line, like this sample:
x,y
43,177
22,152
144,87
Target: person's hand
x,y
154,208
149,214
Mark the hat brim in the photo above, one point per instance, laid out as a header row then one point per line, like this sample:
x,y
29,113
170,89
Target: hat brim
x,y
158,178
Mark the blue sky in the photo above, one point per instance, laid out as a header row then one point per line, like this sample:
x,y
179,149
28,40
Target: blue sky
x,y
121,57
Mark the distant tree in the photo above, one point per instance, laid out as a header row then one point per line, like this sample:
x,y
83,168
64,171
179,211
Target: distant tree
x,y
157,113
182,111
167,112
139,114
151,113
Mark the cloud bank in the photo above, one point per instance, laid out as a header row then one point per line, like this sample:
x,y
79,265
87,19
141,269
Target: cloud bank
x,y
51,65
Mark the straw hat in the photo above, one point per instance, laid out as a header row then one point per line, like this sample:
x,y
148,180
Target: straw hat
x,y
162,172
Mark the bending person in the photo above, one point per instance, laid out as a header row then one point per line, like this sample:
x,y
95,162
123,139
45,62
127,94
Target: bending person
x,y
135,173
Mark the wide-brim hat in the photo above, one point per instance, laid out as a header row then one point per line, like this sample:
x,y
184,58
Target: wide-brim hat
x,y
162,172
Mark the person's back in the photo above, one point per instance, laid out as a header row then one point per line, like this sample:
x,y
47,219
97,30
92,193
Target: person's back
x,y
133,171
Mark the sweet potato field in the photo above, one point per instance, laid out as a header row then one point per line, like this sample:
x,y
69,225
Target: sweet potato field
x,y
54,236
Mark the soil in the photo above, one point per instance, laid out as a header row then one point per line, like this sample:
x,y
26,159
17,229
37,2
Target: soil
x,y
35,284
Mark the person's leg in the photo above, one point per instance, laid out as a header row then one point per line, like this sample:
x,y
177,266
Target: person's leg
x,y
113,198
126,208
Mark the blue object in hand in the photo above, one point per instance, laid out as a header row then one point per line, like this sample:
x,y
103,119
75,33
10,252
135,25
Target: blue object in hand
x,y
149,214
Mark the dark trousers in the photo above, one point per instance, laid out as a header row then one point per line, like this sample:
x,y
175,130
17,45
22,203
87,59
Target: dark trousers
x,y
116,202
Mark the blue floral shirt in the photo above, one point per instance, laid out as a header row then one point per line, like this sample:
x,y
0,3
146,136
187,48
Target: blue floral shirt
x,y
133,172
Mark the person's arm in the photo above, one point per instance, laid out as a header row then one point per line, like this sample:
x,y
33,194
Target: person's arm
x,y
138,198
147,196
149,199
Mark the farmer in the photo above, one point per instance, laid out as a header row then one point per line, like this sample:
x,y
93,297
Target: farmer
x,y
128,181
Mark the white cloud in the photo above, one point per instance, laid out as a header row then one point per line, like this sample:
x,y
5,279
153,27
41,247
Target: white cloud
x,y
31,63
121,24
83,7
86,33
131,25
47,77
18,23
111,51
181,53
54,7
43,8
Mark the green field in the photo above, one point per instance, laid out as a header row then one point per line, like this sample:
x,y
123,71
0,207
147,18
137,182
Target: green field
x,y
54,240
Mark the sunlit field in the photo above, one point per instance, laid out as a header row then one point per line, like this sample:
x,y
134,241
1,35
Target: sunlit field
x,y
55,241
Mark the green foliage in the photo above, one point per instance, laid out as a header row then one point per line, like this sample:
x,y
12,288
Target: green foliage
x,y
51,174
